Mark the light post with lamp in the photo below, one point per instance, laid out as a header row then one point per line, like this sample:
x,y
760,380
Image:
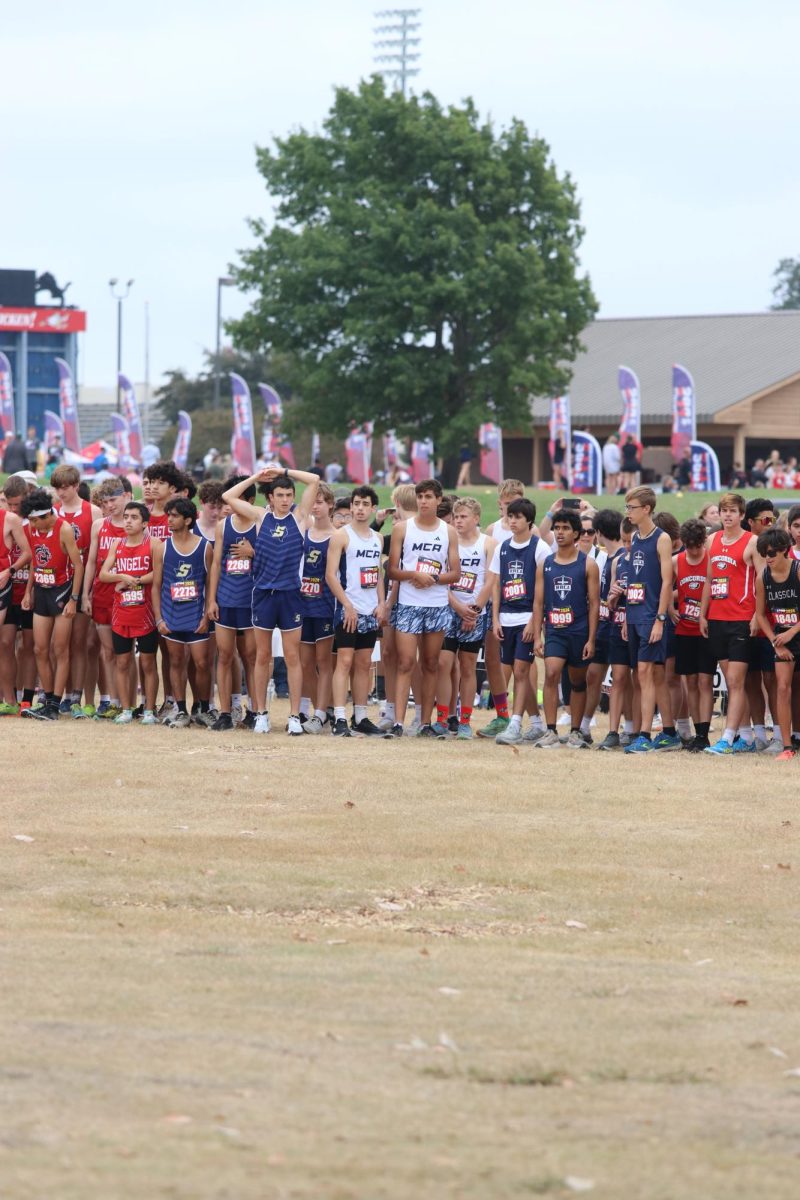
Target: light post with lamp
x,y
222,281
119,297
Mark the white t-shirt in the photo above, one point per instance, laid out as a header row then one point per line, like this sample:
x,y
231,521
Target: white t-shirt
x,y
542,552
612,458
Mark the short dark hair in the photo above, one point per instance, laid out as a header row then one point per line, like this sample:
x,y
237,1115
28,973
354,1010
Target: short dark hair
x,y
183,507
35,502
429,485
522,507
445,507
755,507
211,491
164,471
693,533
670,524
366,493
607,523
142,509
771,539
84,491
248,494
342,503
568,516
188,485
280,481
792,515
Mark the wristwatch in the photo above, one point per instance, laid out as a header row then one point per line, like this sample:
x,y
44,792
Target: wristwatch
x,y
661,617
75,598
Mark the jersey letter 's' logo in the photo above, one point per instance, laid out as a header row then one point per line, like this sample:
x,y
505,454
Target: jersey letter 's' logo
x,y
313,557
279,531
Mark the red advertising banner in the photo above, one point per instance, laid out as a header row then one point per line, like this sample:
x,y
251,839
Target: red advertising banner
x,y
43,320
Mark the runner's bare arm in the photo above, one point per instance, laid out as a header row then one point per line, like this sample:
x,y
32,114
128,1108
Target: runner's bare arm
x,y
233,498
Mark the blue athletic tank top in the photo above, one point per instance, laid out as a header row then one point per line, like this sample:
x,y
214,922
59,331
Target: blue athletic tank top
x,y
517,576
235,587
644,579
279,555
606,614
566,605
183,587
317,597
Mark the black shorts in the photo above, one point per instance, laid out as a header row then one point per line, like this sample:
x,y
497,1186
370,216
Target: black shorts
x,y
601,650
147,643
344,640
693,656
19,616
729,640
618,652
5,596
51,601
454,645
762,656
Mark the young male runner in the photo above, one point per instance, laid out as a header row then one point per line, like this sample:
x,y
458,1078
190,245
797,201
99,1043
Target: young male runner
x,y
180,570
210,497
82,515
728,617
423,558
497,675
694,660
128,569
647,604
465,635
160,483
15,554
19,656
512,573
355,578
778,614
52,591
606,525
230,603
679,699
621,699
277,602
404,501
316,638
759,516
566,608
98,597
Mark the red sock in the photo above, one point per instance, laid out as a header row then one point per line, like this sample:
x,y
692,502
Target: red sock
x,y
442,713
501,705
466,713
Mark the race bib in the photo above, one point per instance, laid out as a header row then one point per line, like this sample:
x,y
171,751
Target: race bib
x,y
514,589
605,611
310,587
719,587
466,582
183,592
619,616
691,610
237,566
369,576
559,618
21,576
427,566
131,597
44,576
635,593
784,616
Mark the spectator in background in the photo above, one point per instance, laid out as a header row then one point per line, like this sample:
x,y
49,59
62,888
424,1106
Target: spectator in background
x,y
612,462
317,469
32,448
333,472
682,471
15,456
631,462
465,458
560,476
758,473
738,479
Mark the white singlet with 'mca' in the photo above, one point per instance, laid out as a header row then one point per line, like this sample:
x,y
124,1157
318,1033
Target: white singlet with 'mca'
x,y
424,550
473,570
359,570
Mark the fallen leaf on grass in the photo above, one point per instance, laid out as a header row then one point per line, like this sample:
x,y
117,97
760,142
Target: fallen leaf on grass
x,y
424,952
177,1119
784,866
22,837
349,804
448,991
448,1043
576,1183
735,1001
515,750
777,1052
575,925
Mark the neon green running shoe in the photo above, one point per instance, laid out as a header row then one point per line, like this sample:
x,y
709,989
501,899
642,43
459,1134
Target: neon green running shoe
x,y
498,725
8,710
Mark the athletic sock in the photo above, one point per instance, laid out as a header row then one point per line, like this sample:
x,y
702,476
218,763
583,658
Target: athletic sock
x,y
515,723
321,715
54,699
465,715
669,730
105,699
339,713
586,725
359,712
236,700
27,695
388,712
729,736
702,728
760,732
684,727
181,705
305,706
537,723
551,728
442,713
746,734
204,706
501,705
418,712
628,726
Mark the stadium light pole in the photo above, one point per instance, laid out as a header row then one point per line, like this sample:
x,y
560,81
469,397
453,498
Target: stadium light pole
x,y
222,281
401,46
119,297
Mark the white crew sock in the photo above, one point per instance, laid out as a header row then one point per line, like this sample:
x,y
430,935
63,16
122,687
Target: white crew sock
x,y
359,712
684,727
388,711
105,699
537,723
746,734
760,732
730,735
515,723
339,713
236,699
321,715
305,706
627,726
586,724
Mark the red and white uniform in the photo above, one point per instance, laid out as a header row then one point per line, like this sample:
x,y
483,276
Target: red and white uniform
x,y
794,552
52,566
690,581
733,581
158,527
19,578
5,557
81,521
103,593
132,615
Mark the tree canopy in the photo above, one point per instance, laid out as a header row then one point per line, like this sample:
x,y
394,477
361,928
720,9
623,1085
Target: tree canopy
x,y
787,288
420,268
193,392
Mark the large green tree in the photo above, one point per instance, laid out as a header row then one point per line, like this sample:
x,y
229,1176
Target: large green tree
x,y
787,288
419,266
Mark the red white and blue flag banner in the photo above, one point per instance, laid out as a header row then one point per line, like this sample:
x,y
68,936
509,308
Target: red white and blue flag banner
x,y
559,426
68,406
705,468
587,463
631,422
286,452
421,455
122,440
243,443
684,411
490,439
53,428
7,421
180,455
356,456
130,411
390,455
273,405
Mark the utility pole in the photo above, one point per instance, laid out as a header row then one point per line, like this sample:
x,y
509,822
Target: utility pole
x,y
399,45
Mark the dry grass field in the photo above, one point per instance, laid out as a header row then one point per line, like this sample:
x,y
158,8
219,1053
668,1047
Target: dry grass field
x,y
250,969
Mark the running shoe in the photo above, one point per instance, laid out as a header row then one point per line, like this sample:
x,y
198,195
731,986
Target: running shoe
x,y
510,736
77,713
642,745
396,731
314,725
495,726
223,723
124,718
785,755
181,720
666,741
773,748
149,717
166,712
341,728
9,710
385,724
365,726
588,740
550,741
49,712
720,747
65,707
533,734
294,726
24,706
424,731
31,710
249,722
625,739
441,730
138,712
207,718
464,732
89,710
761,745
610,742
108,714
414,728
261,723
237,714
740,746
576,741
303,718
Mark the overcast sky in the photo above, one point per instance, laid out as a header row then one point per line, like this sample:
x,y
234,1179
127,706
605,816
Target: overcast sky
x,y
129,131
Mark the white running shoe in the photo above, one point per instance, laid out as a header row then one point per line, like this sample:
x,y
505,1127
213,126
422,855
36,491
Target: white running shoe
x,y
313,725
511,735
533,735
550,741
124,718
294,726
149,717
564,719
181,720
413,728
262,724
385,724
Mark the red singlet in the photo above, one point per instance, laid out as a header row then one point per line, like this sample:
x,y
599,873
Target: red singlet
x,y
733,581
51,564
690,580
132,615
103,593
81,521
19,579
